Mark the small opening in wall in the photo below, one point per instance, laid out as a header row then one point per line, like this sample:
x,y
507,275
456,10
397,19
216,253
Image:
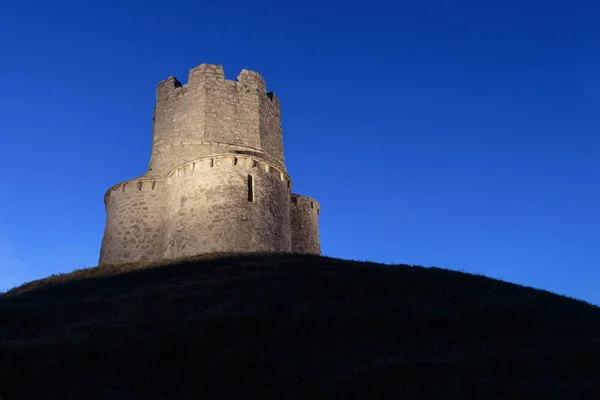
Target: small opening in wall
x,y
254,163
212,162
139,185
312,205
235,160
153,185
193,166
295,200
318,211
123,187
250,188
289,184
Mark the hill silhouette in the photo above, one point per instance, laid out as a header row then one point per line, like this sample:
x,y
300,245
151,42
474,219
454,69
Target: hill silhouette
x,y
293,327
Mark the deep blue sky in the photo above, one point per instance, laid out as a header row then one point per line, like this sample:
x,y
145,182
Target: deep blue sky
x,y
457,134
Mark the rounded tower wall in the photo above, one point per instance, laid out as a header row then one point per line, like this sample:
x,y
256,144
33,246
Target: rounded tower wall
x,y
304,218
227,203
134,222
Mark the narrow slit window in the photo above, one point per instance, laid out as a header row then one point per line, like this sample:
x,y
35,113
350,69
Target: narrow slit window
x,y
250,188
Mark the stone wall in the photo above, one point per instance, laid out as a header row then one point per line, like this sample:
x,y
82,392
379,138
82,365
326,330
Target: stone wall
x,y
227,204
167,156
304,213
134,228
271,138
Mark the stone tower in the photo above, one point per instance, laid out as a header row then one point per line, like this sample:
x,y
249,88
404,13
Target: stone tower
x,y
216,181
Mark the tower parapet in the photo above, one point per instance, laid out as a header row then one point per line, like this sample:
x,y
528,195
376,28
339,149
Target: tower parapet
x,y
216,181
211,109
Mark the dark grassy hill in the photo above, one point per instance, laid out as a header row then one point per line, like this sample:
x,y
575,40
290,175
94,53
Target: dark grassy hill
x,y
293,327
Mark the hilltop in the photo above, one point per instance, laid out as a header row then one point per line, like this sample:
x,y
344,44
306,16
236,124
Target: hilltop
x,y
291,327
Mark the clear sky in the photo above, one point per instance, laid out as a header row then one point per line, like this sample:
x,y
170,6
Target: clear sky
x,y
457,134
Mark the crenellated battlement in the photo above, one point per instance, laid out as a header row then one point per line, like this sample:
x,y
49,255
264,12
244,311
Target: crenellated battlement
x,y
298,200
134,185
197,166
252,79
206,72
166,88
234,160
214,73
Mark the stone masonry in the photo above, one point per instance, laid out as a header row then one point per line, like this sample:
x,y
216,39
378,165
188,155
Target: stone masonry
x,y
216,181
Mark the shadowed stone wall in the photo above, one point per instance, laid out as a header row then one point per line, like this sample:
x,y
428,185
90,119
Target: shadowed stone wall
x,y
304,213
